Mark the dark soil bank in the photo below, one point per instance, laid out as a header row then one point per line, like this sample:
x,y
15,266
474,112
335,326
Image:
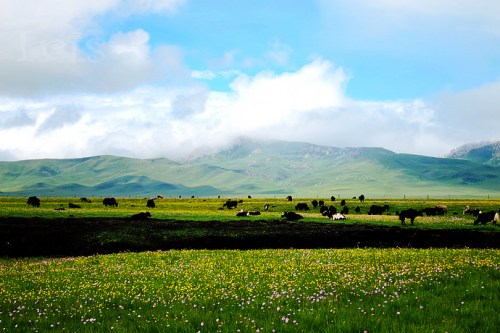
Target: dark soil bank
x,y
33,237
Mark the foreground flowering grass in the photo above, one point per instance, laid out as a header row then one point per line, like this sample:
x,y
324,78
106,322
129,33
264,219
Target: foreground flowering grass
x,y
356,290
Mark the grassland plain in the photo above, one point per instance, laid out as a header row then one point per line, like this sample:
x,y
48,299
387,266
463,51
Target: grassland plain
x,y
267,290
203,224
342,290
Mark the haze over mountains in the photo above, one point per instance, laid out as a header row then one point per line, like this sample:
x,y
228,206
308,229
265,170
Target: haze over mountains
x,y
264,169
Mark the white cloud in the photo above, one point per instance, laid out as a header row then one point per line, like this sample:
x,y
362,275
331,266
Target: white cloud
x,y
62,116
51,46
279,53
204,75
306,105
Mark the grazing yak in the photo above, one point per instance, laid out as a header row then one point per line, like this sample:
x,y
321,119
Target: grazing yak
x,y
110,202
323,209
332,198
72,205
377,210
151,203
321,203
230,204
159,196
342,203
289,198
337,217
314,203
301,206
474,212
266,207
345,210
140,216
249,197
291,216
409,214
429,211
33,201
441,210
361,198
242,213
85,200
484,218
357,210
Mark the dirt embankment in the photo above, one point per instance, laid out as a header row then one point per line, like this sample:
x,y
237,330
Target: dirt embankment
x,y
32,237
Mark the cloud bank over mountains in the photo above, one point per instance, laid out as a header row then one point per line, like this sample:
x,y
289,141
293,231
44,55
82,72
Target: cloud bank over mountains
x,y
72,87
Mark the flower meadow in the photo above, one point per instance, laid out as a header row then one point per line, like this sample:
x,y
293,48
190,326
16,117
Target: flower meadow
x,y
346,290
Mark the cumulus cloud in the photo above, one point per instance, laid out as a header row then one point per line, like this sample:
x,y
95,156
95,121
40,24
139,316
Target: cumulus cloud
x,y
189,105
470,116
307,105
45,50
62,116
204,75
16,118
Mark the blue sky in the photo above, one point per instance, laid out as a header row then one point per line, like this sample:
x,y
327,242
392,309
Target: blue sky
x,y
148,78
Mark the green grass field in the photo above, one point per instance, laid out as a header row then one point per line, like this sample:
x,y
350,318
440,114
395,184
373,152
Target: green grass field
x,y
271,290
356,290
209,209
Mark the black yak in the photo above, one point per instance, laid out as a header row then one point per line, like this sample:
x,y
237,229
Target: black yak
x,y
441,210
151,203
110,202
289,198
33,201
332,198
85,200
357,210
291,216
345,210
230,204
361,198
72,205
377,210
314,203
484,218
342,203
242,213
409,214
430,211
301,206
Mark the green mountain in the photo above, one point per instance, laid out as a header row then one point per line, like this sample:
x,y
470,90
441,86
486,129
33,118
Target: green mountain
x,y
261,169
483,152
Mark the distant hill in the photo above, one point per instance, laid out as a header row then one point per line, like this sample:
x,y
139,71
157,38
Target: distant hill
x,y
261,169
484,152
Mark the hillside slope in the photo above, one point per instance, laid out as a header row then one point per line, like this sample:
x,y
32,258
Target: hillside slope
x,y
258,169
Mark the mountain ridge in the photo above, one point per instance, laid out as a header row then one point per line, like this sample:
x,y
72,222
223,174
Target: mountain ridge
x,y
258,168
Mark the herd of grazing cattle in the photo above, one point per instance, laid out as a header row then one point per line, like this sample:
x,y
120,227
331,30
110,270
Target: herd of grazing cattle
x,y
330,212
